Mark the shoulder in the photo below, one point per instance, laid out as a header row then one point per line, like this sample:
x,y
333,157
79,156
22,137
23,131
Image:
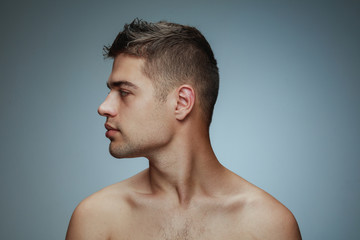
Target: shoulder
x,y
266,218
99,213
94,216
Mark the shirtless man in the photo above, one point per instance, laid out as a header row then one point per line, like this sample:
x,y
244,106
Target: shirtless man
x,y
163,87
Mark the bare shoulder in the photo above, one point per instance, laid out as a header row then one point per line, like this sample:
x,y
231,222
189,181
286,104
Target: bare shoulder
x,y
99,213
265,217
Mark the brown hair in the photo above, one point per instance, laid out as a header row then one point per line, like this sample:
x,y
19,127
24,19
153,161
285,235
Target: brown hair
x,y
174,54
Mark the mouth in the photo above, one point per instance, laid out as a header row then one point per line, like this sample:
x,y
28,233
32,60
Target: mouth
x,y
111,131
109,127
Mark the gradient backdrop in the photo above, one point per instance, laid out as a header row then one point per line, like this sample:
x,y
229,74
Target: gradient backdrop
x,y
287,118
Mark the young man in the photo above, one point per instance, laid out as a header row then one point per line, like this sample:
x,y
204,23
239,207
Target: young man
x,y
163,87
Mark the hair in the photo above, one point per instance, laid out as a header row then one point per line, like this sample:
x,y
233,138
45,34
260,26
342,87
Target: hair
x,y
174,55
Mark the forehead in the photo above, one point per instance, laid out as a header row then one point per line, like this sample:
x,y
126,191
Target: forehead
x,y
128,68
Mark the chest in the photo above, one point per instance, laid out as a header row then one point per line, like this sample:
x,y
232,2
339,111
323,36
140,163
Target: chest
x,y
176,226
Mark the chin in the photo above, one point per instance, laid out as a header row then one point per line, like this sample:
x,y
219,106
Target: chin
x,y
124,152
129,149
116,153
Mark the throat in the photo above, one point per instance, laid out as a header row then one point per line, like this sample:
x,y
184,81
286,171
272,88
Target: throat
x,y
185,194
183,175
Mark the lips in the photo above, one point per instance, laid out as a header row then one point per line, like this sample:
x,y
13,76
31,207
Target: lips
x,y
111,131
109,127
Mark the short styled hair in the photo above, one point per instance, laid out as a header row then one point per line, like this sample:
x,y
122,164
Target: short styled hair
x,y
174,54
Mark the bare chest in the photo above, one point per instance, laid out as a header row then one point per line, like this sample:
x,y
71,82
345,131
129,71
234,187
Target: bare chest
x,y
175,226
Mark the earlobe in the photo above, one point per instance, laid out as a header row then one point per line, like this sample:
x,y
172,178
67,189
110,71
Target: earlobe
x,y
185,101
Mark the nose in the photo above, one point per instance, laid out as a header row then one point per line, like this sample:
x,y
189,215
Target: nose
x,y
108,107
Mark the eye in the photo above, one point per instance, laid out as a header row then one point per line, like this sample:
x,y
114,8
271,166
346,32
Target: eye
x,y
123,93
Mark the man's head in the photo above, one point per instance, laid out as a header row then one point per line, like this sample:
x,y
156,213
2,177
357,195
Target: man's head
x,y
173,55
138,124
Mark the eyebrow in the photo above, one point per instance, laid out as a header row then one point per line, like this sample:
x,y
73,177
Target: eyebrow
x,y
120,83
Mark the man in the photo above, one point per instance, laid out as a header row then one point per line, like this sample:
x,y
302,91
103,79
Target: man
x,y
163,87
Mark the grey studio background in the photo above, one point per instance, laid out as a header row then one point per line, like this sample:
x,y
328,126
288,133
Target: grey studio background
x,y
287,118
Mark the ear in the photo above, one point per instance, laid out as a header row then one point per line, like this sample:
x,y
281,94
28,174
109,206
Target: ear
x,y
185,101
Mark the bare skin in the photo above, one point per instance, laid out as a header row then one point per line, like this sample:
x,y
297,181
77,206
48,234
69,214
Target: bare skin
x,y
185,193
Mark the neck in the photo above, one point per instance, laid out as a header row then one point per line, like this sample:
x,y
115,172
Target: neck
x,y
185,169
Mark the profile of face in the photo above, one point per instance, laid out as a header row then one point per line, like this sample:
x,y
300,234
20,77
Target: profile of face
x,y
138,123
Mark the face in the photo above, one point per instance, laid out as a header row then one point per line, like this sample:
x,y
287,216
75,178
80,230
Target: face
x,y
138,123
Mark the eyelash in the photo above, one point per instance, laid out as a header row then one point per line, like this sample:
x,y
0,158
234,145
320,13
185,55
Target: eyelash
x,y
122,93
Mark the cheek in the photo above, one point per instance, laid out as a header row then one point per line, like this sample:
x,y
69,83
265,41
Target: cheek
x,y
152,119
164,122
143,121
